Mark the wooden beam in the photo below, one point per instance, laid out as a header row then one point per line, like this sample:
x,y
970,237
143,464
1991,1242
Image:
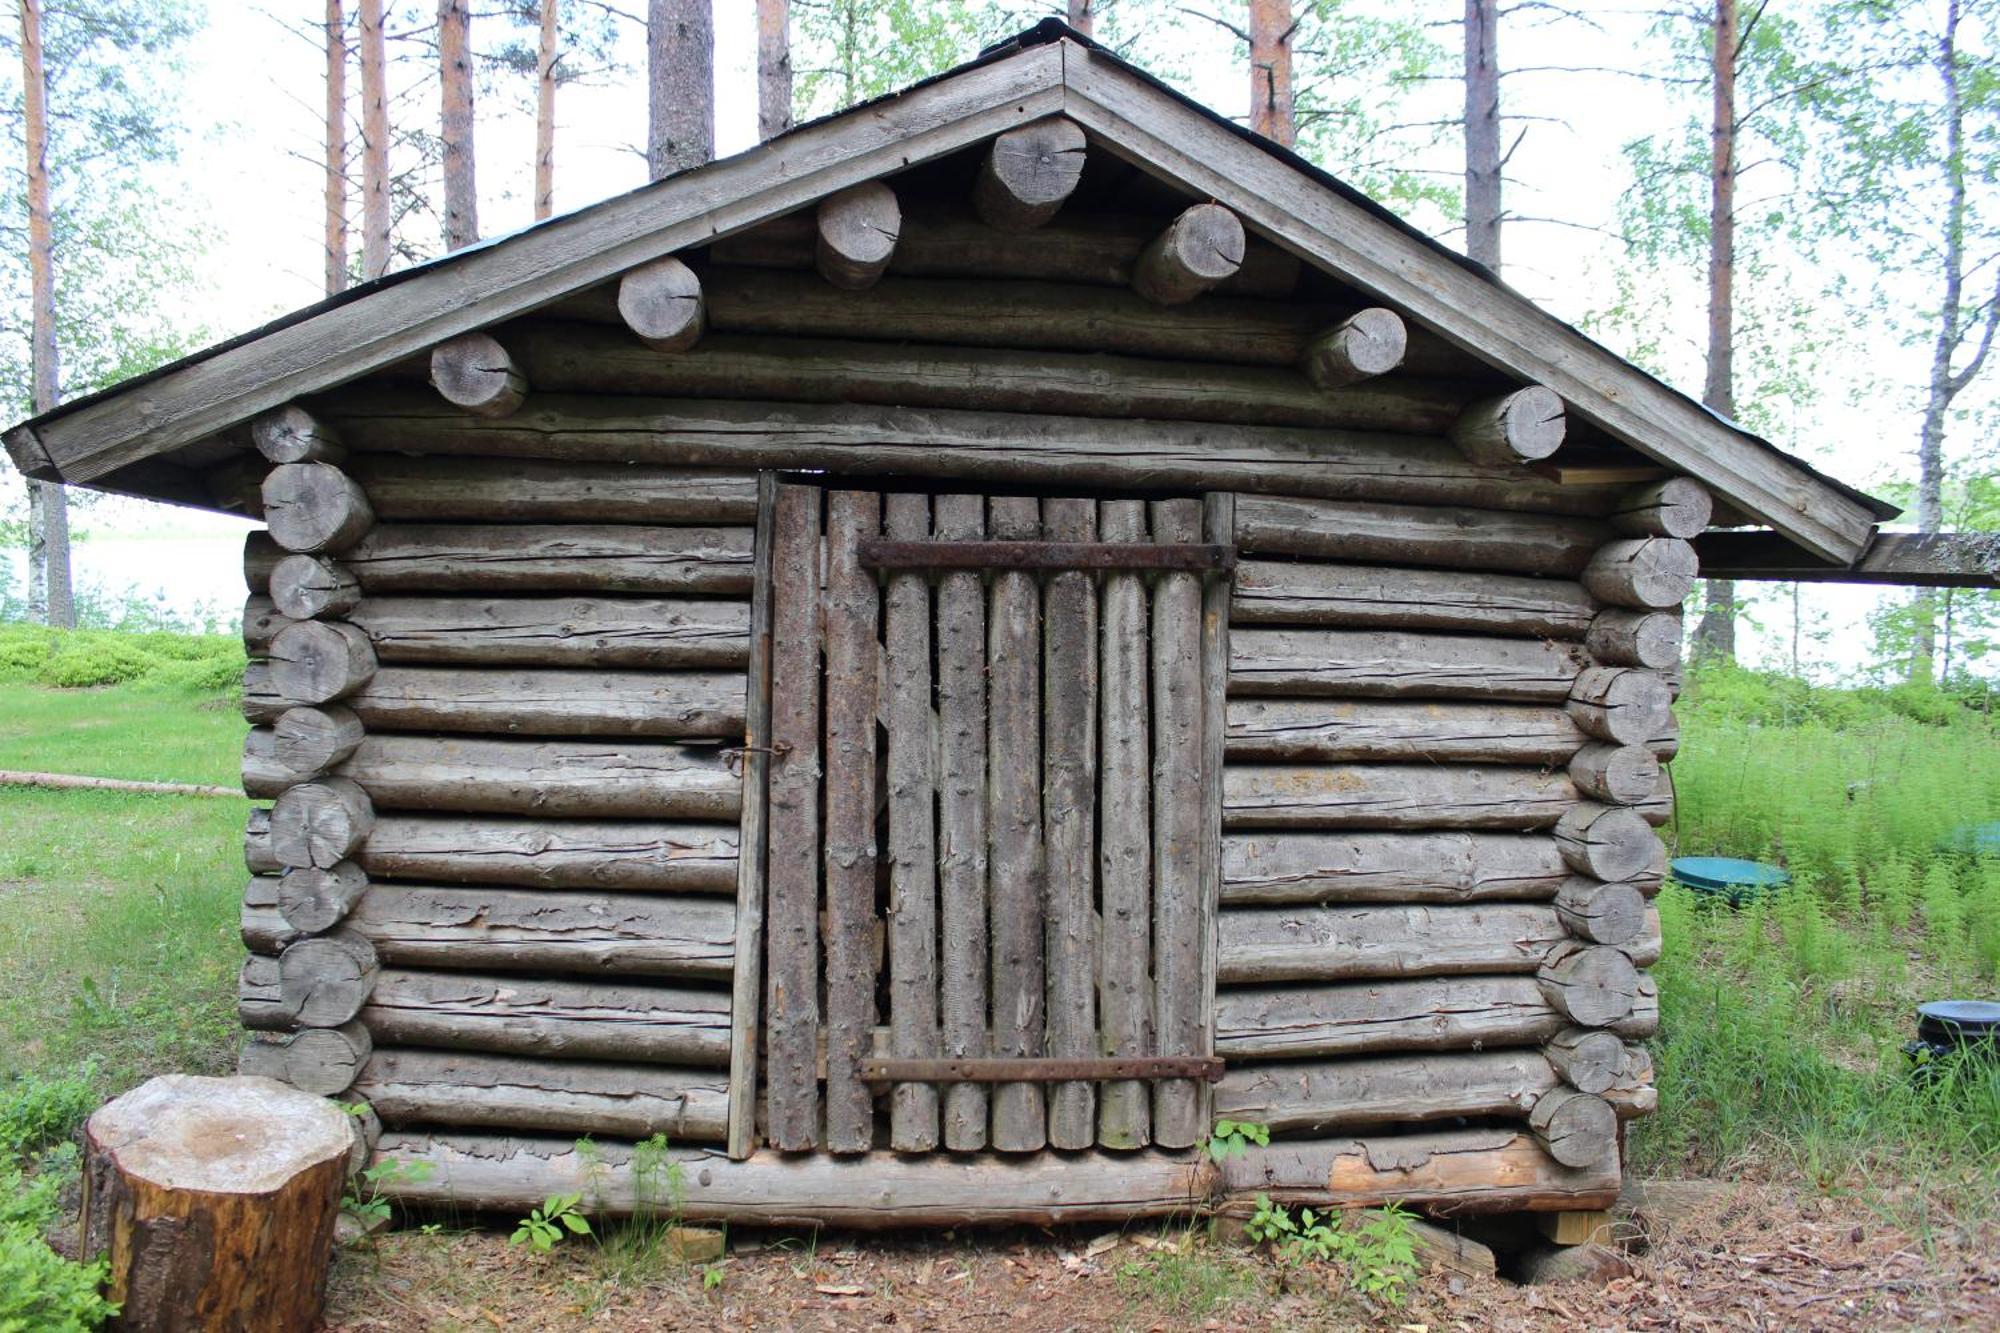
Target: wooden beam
x,y
1912,559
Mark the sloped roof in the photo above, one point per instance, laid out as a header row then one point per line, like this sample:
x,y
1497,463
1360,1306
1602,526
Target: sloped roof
x,y
115,437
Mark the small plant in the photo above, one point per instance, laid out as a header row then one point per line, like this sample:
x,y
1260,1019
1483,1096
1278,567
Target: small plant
x,y
1378,1252
1231,1138
364,1198
556,1218
711,1276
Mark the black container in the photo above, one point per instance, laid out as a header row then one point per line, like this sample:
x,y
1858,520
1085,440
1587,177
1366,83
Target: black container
x,y
1951,1030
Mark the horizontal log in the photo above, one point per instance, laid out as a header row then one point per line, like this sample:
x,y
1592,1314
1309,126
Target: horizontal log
x,y
1094,249
474,372
577,358
867,1191
261,622
436,557
516,930
1622,705
1272,592
1390,663
318,661
290,434
308,586
1677,507
1523,426
258,858
1263,945
1447,1172
481,1091
511,490
1647,573
654,633
558,1018
1623,637
1394,730
554,853
1027,173
1198,251
856,439
1393,796
1366,344
314,508
680,705
1414,534
1295,867
260,556
1577,1128
856,235
1318,1096
586,778
323,980
1359,1018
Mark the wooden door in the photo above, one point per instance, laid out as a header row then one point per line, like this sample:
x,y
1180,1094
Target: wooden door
x,y
993,820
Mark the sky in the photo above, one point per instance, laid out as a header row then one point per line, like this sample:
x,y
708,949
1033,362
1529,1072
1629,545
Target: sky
x,y
253,98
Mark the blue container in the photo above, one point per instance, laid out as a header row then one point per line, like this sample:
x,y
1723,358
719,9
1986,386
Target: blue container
x,y
1979,839
1728,879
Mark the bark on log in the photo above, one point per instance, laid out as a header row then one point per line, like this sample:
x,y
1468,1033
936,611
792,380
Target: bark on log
x,y
555,1018
261,622
1069,811
1390,664
1577,1128
263,775
1453,538
1621,705
213,1200
474,372
1367,343
290,434
1650,639
1602,913
680,705
1396,731
1677,507
510,490
1520,427
1264,945
1588,1059
535,558
307,740
1199,250
312,900
555,853
857,231
1125,867
1312,1097
1282,592
482,1091
655,633
962,867
1648,573
1619,774
318,661
314,508
1607,842
1028,172
1445,1173
1632,1092
307,587
1393,796
1290,867
1083,452
1360,1018
322,1061
517,930
1590,985
661,303
1180,930
258,858
323,980
320,823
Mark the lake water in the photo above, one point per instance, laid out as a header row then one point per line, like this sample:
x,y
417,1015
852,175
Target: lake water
x,y
189,581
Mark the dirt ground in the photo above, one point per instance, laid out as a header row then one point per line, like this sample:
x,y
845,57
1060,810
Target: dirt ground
x,y
1701,1255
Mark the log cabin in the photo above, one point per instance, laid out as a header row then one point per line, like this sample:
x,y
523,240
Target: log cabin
x,y
932,660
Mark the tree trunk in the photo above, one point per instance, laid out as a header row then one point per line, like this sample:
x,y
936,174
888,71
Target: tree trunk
x,y
1271,30
680,72
1083,16
774,68
374,144
461,189
1482,132
1715,635
546,53
336,147
48,552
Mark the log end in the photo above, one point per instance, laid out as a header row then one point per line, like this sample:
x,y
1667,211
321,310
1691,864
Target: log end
x,y
473,371
1202,247
1368,343
1028,173
662,304
857,233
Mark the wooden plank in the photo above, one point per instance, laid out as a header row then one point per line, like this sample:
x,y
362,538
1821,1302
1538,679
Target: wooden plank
x,y
1911,559
1046,556
962,855
1014,829
519,273
1218,525
1069,814
1125,853
1178,927
791,979
853,670
1137,122
913,841
747,982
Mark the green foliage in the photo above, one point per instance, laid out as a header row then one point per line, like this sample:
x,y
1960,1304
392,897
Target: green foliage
x,y
40,1291
1377,1251
82,659
557,1217
848,51
1231,1138
366,1198
40,1109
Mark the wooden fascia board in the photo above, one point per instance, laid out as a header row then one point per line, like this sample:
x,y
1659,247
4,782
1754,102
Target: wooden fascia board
x,y
1161,136
1907,559
547,262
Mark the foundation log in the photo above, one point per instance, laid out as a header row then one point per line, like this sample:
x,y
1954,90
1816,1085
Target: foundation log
x,y
1449,1172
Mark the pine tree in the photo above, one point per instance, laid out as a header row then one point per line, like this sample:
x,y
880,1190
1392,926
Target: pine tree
x,y
774,68
456,121
680,80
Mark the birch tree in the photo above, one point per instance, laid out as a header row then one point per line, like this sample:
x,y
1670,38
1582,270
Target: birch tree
x,y
334,31
49,591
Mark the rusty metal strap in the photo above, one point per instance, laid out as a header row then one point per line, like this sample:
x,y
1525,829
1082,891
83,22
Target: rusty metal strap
x,y
1206,1068
878,553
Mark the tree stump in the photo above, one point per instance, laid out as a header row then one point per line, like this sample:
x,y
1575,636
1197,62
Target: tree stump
x,y
214,1200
